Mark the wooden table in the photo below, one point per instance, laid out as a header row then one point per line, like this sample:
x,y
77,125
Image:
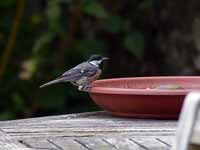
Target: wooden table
x,y
86,131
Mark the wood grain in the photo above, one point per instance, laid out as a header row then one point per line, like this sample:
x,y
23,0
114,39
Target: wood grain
x,y
6,143
90,131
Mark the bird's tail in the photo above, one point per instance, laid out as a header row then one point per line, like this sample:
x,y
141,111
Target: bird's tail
x,y
52,82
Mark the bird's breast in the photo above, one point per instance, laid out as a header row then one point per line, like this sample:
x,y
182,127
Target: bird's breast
x,y
87,80
96,76
82,81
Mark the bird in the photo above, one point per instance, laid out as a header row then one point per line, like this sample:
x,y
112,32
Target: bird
x,y
83,74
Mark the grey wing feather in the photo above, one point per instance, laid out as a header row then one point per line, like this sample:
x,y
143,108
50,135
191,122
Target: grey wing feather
x,y
58,80
70,75
84,69
76,68
90,72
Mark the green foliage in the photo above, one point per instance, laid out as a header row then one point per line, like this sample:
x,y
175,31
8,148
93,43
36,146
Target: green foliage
x,y
135,44
7,3
51,96
89,46
7,115
148,4
94,8
114,24
54,36
18,102
36,19
53,13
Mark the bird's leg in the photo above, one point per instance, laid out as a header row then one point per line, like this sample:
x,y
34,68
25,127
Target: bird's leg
x,y
80,88
74,83
85,88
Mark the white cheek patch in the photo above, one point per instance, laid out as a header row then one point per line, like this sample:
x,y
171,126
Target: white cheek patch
x,y
99,62
96,62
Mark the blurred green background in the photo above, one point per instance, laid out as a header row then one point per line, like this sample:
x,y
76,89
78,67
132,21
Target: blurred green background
x,y
40,39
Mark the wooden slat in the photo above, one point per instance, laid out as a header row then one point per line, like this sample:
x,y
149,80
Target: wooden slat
x,y
91,143
39,143
149,143
97,122
124,144
67,143
95,144
81,132
166,140
90,131
6,143
102,125
58,117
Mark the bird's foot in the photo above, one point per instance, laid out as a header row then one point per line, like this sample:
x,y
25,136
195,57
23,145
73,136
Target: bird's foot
x,y
85,88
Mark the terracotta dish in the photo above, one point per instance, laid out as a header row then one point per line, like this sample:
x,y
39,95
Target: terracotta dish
x,y
144,97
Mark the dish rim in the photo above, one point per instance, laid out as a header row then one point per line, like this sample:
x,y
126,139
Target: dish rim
x,y
122,91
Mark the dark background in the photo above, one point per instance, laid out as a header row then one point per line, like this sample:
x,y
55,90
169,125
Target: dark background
x,y
40,39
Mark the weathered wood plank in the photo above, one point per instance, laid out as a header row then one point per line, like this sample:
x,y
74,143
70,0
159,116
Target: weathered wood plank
x,y
124,144
98,119
103,125
57,117
167,140
90,131
90,143
38,143
95,144
149,143
83,123
7,144
82,132
67,143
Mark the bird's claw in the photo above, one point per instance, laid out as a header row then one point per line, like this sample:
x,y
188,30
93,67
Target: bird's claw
x,y
85,88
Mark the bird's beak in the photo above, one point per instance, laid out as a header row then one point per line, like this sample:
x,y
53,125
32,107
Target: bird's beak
x,y
106,58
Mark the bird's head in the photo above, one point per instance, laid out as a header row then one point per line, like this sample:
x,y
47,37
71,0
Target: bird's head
x,y
97,60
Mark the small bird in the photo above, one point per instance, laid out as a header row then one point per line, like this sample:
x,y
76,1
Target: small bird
x,y
83,74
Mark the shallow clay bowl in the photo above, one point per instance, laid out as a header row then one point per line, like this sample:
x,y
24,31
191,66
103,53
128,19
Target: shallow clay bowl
x,y
144,97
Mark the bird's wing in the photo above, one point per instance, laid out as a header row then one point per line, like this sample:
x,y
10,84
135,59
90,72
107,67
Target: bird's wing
x,y
84,69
